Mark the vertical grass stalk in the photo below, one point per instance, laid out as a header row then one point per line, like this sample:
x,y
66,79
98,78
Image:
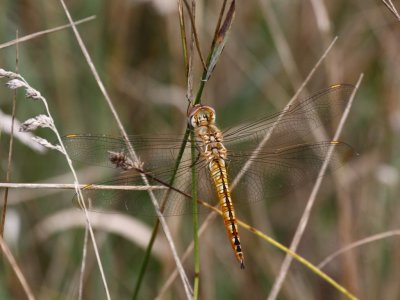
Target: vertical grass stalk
x,y
220,32
149,248
195,221
10,147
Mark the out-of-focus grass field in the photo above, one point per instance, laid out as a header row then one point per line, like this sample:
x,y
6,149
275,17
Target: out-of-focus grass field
x,y
136,48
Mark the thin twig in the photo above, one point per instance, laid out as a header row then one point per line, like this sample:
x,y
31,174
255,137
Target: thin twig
x,y
69,186
310,203
17,270
44,32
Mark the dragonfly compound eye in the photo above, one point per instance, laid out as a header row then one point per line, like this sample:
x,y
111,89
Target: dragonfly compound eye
x,y
201,116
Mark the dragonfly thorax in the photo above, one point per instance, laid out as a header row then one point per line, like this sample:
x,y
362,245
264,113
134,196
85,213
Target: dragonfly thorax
x,y
211,142
202,119
214,151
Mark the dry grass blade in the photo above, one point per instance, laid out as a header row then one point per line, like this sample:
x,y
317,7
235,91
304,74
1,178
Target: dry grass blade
x,y
359,243
83,263
189,55
16,269
6,122
300,259
10,150
321,15
389,4
268,135
310,203
20,82
114,223
44,32
81,186
282,45
183,36
220,39
269,240
16,82
185,280
196,37
185,256
221,15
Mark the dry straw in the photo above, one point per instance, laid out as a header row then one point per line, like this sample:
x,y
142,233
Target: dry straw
x,y
16,81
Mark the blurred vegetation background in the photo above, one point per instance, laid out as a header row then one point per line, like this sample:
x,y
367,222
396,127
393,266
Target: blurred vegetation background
x,y
136,48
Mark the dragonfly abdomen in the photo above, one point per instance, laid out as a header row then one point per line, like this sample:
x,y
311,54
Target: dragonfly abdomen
x,y
220,178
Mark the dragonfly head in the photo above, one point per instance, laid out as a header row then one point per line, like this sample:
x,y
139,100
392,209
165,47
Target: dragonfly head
x,y
201,115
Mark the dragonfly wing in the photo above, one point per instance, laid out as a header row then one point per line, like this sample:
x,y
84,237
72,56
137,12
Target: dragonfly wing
x,y
159,156
299,123
173,199
281,152
288,158
95,149
277,172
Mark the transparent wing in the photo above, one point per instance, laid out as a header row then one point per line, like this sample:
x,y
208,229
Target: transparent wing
x,y
269,175
273,174
158,155
295,125
275,155
155,152
174,200
267,158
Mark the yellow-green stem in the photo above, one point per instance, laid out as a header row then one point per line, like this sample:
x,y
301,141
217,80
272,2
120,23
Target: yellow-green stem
x,y
195,221
178,161
146,259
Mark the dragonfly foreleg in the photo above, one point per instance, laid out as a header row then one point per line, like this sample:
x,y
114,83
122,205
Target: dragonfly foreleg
x,y
198,156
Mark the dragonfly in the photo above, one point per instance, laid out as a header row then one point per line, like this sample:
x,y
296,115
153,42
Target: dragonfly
x,y
257,160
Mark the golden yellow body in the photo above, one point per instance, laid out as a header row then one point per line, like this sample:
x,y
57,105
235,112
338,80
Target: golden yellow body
x,y
202,119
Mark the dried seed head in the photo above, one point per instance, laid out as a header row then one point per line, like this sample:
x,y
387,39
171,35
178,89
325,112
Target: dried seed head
x,y
120,160
40,121
32,93
47,144
8,74
15,84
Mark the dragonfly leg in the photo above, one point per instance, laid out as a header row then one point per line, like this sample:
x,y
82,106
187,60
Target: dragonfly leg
x,y
197,158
